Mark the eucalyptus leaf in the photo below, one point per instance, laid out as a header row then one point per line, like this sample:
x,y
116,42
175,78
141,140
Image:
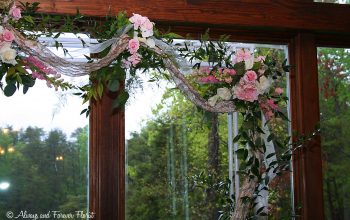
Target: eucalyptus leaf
x,y
10,89
113,85
120,100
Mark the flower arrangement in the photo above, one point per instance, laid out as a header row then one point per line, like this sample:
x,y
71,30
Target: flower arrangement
x,y
232,81
245,80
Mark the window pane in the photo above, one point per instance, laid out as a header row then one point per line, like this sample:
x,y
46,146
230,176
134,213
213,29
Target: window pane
x,y
43,154
177,156
333,69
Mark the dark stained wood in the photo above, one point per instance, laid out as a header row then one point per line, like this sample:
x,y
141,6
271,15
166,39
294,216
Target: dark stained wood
x,y
266,14
305,116
107,158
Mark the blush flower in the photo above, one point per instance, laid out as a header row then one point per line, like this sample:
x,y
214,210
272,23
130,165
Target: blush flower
x,y
134,59
272,104
15,12
7,36
278,90
250,76
246,91
134,45
137,20
260,59
243,55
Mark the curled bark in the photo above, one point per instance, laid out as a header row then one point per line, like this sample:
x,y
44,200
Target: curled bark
x,y
63,66
247,190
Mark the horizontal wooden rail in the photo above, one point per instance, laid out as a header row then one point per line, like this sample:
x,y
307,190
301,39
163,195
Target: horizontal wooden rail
x,y
263,14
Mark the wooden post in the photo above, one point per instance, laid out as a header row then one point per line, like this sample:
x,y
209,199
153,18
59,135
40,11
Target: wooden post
x,y
107,160
305,116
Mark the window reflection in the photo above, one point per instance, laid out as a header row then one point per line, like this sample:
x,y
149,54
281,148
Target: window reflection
x,y
177,157
333,70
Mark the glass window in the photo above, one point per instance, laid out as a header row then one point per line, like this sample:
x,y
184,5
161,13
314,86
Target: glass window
x,y
178,157
333,70
43,154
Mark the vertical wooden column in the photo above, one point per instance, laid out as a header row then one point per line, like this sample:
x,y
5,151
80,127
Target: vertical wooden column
x,y
107,156
305,116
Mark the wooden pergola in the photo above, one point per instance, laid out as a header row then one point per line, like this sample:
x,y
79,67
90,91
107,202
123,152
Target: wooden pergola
x,y
301,24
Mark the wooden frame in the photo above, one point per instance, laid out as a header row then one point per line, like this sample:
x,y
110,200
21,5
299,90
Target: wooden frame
x,y
302,24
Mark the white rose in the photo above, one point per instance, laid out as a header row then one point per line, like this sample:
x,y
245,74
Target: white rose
x,y
146,33
249,63
212,100
224,94
8,55
150,42
263,85
1,29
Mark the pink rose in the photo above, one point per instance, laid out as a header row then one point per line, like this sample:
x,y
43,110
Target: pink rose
x,y
272,104
134,45
278,90
15,12
246,91
134,59
137,20
8,36
147,24
250,76
242,55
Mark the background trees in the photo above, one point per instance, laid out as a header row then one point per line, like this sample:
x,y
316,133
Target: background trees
x,y
334,69
47,171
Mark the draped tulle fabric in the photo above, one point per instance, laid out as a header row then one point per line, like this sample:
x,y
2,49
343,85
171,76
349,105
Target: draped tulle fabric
x,y
174,63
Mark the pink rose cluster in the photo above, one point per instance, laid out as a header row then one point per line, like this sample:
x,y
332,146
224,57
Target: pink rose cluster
x,y
146,27
135,57
15,12
143,24
218,75
246,89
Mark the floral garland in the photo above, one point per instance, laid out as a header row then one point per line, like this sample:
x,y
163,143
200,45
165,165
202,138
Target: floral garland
x,y
228,81
254,85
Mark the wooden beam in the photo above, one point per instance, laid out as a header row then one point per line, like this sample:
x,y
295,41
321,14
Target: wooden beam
x,y
263,14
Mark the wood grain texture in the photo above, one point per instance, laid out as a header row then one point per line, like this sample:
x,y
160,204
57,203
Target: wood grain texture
x,y
107,159
266,14
305,116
